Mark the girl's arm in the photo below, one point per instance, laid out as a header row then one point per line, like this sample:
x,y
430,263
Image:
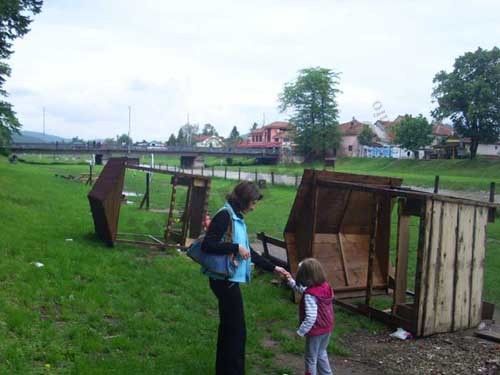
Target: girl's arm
x,y
311,308
296,287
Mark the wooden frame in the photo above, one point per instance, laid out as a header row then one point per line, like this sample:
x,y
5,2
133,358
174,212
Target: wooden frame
x,y
344,221
106,196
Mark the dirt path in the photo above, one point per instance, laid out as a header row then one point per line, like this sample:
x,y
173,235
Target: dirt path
x,y
457,353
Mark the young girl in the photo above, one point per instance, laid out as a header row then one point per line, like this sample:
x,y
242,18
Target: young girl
x,y
316,314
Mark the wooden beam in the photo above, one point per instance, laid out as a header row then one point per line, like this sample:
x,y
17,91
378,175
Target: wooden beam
x,y
402,259
371,251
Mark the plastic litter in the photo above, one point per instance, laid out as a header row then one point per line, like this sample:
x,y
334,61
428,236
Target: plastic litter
x,y
69,239
37,264
401,334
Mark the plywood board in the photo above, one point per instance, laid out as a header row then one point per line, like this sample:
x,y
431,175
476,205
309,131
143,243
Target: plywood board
x,y
476,287
463,265
446,270
431,264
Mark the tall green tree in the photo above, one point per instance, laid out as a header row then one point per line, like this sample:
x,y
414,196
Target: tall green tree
x,y
181,138
171,141
188,132
123,139
209,129
234,137
413,133
366,136
470,96
312,100
15,18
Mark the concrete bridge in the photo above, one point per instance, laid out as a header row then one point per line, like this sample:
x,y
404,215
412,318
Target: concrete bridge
x,y
190,156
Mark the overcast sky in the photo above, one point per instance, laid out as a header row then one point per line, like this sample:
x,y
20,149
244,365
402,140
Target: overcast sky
x,y
225,62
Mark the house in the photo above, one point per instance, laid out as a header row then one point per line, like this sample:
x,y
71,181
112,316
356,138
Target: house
x,y
385,130
211,141
441,132
274,135
491,150
349,144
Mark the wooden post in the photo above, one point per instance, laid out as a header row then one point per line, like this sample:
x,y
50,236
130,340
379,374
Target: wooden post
x,y
436,184
403,246
89,181
296,179
213,174
145,199
225,172
272,177
202,171
192,169
491,211
170,218
371,252
148,189
167,167
239,174
255,175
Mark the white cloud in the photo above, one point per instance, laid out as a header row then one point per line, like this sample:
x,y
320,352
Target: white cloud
x,y
225,62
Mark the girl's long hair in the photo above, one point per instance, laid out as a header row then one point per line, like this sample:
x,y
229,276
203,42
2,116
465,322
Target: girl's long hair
x,y
310,273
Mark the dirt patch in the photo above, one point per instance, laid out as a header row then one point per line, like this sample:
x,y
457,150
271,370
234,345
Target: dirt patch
x,y
454,353
371,354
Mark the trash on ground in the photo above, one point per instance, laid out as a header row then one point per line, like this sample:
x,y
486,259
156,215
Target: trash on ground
x,y
401,334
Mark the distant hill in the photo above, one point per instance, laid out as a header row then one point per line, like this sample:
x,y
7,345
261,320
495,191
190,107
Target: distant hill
x,y
27,136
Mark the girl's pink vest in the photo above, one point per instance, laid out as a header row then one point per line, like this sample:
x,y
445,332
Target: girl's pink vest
x,y
325,319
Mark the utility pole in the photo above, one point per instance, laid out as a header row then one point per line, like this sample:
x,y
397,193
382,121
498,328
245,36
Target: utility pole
x,y
129,121
263,118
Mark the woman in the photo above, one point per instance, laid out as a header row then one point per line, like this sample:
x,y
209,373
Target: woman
x,y
231,338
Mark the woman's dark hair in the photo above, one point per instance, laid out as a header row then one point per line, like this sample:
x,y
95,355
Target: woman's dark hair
x,y
243,194
310,273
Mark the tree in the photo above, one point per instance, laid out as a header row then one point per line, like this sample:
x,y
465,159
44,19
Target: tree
x,y
208,129
109,141
413,133
186,134
14,23
171,141
123,139
181,138
312,99
470,96
254,126
234,137
366,136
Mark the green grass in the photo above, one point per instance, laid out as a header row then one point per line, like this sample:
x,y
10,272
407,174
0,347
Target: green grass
x,y
93,309
460,174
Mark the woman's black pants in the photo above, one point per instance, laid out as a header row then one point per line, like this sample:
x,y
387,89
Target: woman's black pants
x,y
231,339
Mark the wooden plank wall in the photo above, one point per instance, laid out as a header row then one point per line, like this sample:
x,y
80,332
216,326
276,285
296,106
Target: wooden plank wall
x,y
451,280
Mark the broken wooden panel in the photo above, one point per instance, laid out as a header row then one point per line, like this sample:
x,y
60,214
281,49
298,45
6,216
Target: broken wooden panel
x,y
184,225
335,225
105,199
450,289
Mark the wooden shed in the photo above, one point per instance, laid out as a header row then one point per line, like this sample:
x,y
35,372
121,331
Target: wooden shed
x,y
344,220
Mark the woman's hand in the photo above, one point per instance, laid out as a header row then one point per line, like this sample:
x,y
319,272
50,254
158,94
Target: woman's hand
x,y
244,253
282,272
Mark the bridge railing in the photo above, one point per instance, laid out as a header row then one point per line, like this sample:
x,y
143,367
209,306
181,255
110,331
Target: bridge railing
x,y
91,147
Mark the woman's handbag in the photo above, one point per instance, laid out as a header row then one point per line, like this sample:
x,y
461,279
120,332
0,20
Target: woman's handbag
x,y
222,265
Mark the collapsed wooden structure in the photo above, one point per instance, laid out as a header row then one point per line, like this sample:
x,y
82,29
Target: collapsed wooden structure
x,y
183,223
344,220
